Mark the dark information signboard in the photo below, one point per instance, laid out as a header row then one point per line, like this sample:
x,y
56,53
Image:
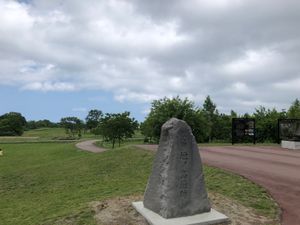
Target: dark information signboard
x,y
243,130
288,130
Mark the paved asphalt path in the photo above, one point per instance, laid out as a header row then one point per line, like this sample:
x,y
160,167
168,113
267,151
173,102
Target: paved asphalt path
x,y
276,169
90,146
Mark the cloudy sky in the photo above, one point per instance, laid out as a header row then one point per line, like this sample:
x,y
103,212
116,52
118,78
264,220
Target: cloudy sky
x,y
64,57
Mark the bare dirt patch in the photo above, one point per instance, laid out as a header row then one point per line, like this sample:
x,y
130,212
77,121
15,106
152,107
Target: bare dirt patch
x,y
118,211
90,146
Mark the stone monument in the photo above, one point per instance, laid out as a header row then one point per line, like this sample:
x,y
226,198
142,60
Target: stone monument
x,y
176,188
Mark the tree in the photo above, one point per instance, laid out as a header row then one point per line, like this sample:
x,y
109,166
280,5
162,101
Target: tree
x,y
45,123
72,125
210,113
147,130
93,119
233,114
266,124
166,108
294,110
197,122
221,129
12,124
208,124
32,124
117,127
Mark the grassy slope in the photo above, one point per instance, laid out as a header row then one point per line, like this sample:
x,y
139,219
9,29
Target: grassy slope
x,y
35,135
241,190
45,132
42,135
42,182
50,133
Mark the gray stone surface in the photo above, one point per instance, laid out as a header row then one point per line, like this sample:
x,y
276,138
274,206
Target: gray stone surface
x,y
295,145
212,217
176,186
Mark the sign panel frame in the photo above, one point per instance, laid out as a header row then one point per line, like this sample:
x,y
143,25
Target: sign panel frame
x,y
243,130
290,127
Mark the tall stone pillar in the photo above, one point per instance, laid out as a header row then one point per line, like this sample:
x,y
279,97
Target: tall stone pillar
x,y
176,186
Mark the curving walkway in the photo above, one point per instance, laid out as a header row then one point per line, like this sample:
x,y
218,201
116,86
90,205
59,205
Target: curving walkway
x,y
90,146
276,169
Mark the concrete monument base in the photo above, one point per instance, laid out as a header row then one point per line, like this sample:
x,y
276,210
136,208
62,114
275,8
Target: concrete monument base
x,y
212,217
290,144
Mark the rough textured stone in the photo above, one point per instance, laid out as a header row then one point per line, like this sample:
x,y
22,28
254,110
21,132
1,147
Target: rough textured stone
x,y
176,186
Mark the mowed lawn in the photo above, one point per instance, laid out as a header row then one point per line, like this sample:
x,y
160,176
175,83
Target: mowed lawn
x,y
44,135
41,183
46,132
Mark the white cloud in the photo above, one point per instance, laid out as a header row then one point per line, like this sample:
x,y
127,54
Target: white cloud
x,y
251,61
14,17
144,50
136,97
239,89
49,86
217,4
289,85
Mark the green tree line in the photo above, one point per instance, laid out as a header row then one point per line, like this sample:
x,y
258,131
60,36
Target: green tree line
x,y
208,124
113,127
12,124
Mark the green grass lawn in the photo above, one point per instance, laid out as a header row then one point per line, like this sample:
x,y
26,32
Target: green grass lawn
x,y
45,132
44,135
40,183
36,135
53,133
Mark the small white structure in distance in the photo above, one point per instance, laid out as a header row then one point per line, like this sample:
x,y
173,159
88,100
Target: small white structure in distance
x,y
295,145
